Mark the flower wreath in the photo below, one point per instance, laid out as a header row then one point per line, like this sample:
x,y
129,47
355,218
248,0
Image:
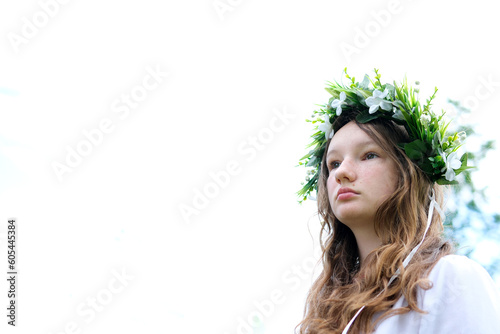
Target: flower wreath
x,y
430,147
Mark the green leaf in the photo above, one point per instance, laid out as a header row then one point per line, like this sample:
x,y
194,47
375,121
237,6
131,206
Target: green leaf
x,y
334,93
464,166
416,149
446,182
473,206
363,95
365,117
364,84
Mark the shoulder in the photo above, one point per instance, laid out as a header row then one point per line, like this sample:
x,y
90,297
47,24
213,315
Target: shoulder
x,y
462,299
459,270
462,296
457,275
458,263
455,265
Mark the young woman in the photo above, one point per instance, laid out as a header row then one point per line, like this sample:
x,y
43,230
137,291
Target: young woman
x,y
377,165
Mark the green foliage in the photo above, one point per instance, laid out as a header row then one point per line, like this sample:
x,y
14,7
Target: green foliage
x,y
470,217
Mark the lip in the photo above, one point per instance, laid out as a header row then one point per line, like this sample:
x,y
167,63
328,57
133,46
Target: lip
x,y
345,193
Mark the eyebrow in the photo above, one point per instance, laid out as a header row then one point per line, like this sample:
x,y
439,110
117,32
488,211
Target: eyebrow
x,y
361,143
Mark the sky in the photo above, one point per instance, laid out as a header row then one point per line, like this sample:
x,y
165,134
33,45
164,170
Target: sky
x,y
148,150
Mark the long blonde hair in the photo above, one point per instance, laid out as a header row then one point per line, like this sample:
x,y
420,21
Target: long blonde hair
x,y
343,288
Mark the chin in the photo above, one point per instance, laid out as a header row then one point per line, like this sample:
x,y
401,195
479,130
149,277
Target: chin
x,y
353,220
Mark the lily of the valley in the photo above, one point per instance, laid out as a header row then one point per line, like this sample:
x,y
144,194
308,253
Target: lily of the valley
x,y
377,101
326,127
337,103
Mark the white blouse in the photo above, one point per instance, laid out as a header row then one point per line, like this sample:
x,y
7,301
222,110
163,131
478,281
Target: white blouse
x,y
463,299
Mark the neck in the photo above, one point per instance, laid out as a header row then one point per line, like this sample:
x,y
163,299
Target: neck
x,y
367,241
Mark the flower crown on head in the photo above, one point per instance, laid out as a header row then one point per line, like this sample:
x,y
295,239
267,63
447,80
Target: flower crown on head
x,y
430,147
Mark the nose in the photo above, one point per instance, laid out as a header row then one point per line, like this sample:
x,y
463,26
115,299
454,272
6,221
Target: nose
x,y
345,172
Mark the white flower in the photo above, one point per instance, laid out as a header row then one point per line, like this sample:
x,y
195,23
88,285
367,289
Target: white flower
x,y
337,103
377,101
425,118
452,162
326,127
461,136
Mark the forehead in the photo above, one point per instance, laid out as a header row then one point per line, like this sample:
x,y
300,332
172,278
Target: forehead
x,y
350,136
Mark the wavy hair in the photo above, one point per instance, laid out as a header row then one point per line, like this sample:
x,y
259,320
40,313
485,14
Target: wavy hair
x,y
343,288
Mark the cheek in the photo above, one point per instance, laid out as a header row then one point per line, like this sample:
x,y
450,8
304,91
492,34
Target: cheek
x,y
372,176
389,184
330,183
381,180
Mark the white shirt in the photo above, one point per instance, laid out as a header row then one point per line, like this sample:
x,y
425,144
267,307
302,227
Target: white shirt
x,y
463,299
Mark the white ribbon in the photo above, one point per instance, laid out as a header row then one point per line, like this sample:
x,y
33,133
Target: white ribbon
x,y
433,205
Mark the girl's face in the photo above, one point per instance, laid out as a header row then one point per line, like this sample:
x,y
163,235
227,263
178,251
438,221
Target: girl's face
x,y
362,176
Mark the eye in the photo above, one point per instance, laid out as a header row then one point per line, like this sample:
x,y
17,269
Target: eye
x,y
333,165
371,155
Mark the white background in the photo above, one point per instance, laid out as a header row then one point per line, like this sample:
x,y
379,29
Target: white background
x,y
229,72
